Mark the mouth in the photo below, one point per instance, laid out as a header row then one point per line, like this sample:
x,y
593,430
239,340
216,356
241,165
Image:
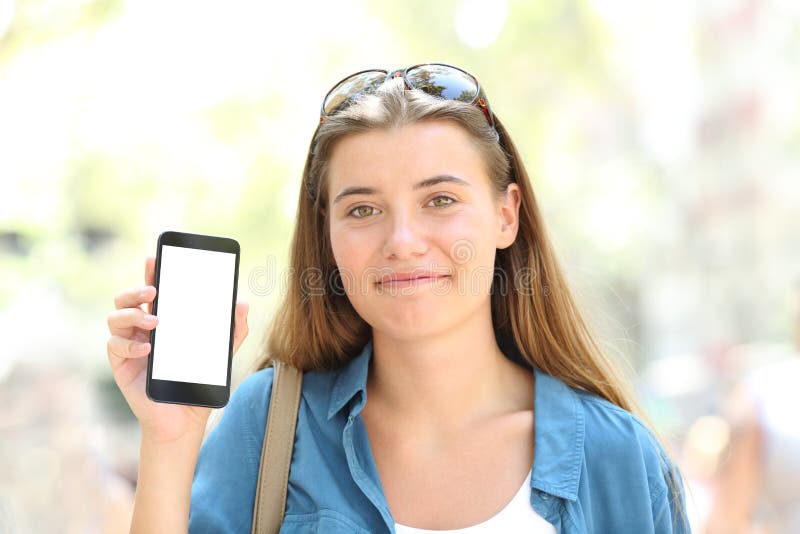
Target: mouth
x,y
400,281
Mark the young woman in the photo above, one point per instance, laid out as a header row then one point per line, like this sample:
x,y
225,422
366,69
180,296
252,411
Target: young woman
x,y
450,384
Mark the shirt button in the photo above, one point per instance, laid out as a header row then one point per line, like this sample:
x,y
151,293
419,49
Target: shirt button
x,y
544,496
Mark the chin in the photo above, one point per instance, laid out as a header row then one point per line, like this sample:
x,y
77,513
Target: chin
x,y
409,331
410,322
426,319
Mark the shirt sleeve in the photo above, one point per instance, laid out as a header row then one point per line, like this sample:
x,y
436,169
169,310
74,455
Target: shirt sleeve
x,y
225,477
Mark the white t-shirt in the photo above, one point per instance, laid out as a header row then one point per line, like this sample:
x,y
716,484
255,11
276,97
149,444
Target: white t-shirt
x,y
516,517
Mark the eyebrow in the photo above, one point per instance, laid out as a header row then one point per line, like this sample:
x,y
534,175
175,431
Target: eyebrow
x,y
428,182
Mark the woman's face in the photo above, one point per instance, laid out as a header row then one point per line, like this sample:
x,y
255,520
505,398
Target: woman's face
x,y
416,200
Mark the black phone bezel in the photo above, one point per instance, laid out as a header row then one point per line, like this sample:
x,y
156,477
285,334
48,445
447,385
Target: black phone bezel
x,y
189,393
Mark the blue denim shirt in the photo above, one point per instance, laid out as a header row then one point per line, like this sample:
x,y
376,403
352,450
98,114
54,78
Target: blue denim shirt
x,y
596,467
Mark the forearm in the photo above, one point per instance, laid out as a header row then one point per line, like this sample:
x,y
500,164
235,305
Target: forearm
x,y
164,485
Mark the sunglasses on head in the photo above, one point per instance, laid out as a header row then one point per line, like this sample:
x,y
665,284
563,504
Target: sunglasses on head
x,y
436,79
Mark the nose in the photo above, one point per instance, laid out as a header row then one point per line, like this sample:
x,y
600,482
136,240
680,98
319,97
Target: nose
x,y
406,238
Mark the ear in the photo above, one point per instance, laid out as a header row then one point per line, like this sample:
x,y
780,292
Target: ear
x,y
508,216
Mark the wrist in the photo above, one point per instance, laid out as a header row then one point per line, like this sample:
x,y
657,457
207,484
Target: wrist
x,y
156,440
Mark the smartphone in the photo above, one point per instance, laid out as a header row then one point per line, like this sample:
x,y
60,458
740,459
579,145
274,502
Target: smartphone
x,y
191,348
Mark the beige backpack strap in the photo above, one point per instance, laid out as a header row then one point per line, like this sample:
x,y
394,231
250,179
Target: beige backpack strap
x,y
276,453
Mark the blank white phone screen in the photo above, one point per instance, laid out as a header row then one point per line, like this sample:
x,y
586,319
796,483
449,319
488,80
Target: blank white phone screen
x,y
195,295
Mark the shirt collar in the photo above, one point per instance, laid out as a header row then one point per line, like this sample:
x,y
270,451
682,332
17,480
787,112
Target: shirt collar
x,y
558,420
350,380
559,434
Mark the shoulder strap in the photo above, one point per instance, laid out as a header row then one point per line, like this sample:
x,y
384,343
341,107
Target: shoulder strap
x,y
276,453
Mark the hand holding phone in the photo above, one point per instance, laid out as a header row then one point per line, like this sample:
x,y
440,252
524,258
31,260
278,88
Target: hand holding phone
x,y
128,351
192,348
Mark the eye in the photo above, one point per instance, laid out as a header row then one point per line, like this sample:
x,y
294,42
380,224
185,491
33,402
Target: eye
x,y
357,208
451,200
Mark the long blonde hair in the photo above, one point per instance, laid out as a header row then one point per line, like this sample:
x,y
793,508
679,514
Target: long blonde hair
x,y
316,327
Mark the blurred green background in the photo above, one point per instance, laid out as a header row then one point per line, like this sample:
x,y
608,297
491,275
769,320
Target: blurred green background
x,y
662,139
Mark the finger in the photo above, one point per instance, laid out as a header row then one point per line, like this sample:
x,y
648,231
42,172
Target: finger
x,y
124,322
241,327
150,270
120,349
150,276
134,297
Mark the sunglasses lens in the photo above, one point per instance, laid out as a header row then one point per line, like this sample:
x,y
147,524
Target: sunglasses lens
x,y
444,82
349,89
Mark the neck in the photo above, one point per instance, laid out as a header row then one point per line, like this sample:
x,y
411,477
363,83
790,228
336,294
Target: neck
x,y
446,383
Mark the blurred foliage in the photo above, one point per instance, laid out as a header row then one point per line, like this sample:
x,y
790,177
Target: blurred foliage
x,y
550,56
211,138
37,21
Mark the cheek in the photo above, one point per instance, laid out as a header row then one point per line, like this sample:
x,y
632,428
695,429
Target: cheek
x,y
471,250
351,256
466,236
473,269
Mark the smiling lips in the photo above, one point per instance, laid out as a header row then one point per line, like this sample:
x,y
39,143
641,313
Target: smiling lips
x,y
404,279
